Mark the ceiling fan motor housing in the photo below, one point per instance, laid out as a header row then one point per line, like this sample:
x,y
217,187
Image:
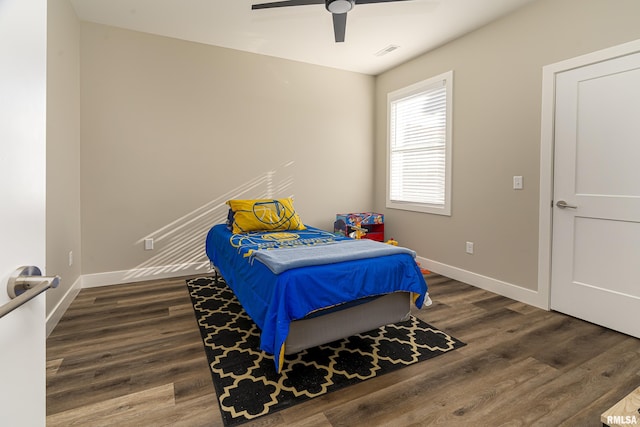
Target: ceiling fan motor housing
x,y
340,6
337,8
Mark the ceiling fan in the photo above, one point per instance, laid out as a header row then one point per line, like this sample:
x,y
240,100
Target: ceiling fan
x,y
338,9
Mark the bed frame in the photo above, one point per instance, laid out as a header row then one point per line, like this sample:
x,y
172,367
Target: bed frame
x,y
333,324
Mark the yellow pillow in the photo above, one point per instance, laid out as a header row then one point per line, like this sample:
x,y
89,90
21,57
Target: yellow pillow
x,y
264,215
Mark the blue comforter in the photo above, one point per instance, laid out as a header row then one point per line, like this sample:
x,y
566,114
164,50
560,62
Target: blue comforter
x,y
274,300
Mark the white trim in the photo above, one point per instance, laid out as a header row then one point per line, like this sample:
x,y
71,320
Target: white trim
x,y
58,311
118,278
499,287
545,223
143,274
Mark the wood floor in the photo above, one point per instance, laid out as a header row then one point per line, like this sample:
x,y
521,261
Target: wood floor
x,y
131,355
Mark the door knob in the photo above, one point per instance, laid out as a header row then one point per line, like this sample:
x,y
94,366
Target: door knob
x,y
564,205
28,277
25,284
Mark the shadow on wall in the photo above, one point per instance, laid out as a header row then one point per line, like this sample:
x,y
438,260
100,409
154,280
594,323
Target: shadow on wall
x,y
182,242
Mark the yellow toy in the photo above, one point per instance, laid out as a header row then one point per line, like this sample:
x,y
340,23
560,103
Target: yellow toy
x,y
393,242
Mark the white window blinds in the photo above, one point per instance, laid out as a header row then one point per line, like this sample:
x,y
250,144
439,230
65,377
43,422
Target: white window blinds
x,y
419,146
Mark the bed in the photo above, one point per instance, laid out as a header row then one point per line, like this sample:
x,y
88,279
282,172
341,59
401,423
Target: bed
x,y
304,286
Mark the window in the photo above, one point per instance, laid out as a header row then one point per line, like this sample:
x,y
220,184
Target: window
x,y
419,146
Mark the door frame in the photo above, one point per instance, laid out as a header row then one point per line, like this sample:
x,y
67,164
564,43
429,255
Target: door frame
x,y
547,146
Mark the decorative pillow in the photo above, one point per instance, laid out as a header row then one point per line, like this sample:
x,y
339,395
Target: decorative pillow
x,y
264,215
230,219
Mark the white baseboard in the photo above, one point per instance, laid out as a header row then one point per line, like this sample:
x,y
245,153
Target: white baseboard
x,y
121,277
56,314
142,274
499,287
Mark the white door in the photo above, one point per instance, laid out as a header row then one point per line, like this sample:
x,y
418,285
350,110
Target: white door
x,y
22,205
596,238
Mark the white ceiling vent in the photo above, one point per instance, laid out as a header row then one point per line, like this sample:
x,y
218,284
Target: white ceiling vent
x,y
386,50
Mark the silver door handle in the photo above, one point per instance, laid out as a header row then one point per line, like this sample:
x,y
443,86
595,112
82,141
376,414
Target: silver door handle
x,y
563,205
25,284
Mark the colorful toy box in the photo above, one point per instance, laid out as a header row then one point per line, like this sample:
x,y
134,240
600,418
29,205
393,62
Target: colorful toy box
x,y
365,225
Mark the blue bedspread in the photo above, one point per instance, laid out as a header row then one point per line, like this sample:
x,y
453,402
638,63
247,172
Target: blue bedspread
x,y
274,300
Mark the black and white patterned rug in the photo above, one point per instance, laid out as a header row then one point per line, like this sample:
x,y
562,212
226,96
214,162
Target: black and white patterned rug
x,y
245,379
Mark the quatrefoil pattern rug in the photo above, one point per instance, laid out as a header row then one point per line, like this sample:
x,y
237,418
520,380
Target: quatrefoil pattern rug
x,y
244,377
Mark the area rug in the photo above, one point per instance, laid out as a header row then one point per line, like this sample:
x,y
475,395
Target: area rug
x,y
245,379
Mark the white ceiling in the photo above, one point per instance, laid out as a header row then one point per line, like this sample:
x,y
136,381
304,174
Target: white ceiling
x,y
305,33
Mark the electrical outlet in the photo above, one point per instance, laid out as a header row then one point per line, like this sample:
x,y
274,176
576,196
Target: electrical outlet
x,y
517,183
469,248
148,244
70,258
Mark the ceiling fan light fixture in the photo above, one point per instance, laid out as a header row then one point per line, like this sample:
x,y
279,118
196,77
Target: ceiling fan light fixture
x,y
340,6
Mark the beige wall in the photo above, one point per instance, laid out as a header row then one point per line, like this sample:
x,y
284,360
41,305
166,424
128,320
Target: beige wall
x,y
63,148
172,129
496,131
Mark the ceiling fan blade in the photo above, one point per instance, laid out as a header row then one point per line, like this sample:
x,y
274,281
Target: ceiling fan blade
x,y
376,1
339,26
285,4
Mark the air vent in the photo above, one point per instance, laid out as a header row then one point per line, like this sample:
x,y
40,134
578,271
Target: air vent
x,y
386,50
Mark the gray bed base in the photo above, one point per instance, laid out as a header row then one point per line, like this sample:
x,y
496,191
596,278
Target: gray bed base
x,y
336,324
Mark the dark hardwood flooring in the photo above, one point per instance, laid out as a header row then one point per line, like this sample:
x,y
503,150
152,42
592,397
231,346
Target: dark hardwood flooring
x,y
131,355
